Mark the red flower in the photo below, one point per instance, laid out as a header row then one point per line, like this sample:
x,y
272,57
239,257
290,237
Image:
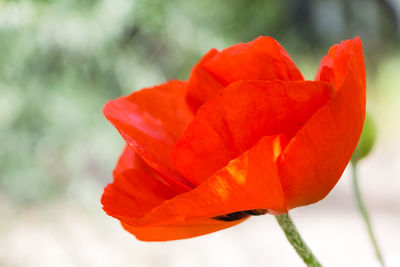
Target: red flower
x,y
245,135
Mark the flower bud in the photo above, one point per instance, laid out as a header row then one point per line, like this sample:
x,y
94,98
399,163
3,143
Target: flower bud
x,y
367,139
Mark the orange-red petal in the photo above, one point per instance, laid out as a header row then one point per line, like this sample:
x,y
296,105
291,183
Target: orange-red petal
x,y
243,112
251,181
136,188
152,212
201,85
261,59
150,121
315,158
180,230
128,160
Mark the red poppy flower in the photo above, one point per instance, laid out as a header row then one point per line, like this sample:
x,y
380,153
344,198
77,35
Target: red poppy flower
x,y
245,135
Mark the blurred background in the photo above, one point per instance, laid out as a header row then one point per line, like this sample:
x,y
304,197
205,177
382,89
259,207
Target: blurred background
x,y
61,61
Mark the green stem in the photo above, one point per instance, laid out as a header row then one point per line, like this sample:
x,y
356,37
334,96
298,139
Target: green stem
x,y
296,241
364,213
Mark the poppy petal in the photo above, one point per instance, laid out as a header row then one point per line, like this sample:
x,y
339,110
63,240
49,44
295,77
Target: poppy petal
x,y
136,188
180,230
151,120
316,157
261,59
243,112
334,65
201,85
127,160
251,181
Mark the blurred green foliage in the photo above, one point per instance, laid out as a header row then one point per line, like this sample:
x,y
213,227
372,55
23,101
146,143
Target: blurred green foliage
x,y
60,61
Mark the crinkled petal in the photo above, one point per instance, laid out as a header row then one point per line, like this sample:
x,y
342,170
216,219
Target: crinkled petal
x,y
251,181
261,59
151,120
179,230
201,85
334,66
233,121
316,157
136,188
128,160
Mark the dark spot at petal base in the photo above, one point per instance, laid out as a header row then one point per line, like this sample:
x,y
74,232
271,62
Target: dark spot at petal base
x,y
234,216
256,212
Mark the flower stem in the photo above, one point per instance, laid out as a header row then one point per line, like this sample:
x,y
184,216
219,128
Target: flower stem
x,y
296,241
364,213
